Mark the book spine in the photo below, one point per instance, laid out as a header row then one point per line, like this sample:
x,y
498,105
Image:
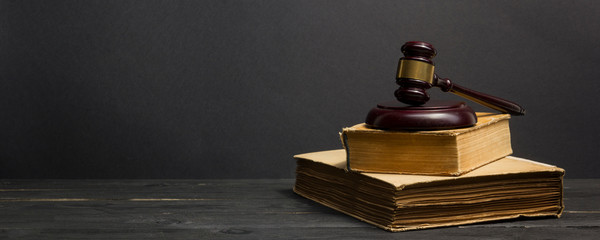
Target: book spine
x,y
344,137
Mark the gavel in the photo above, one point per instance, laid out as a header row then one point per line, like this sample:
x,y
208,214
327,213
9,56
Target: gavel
x,y
416,74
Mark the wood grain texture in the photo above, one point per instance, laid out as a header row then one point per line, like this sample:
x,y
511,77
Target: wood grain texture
x,y
237,209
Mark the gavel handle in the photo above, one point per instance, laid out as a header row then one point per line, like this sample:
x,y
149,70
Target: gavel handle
x,y
496,103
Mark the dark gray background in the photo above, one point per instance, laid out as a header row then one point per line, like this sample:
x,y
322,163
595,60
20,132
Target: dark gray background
x,y
233,89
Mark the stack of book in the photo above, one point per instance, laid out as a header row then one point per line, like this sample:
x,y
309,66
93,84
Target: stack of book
x,y
405,180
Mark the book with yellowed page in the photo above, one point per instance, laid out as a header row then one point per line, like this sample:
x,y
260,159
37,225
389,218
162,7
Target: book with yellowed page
x,y
508,188
442,152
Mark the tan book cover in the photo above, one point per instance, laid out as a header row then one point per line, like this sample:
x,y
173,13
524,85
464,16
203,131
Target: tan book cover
x,y
443,152
509,188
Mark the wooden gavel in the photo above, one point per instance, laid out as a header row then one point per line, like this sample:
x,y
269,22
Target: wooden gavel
x,y
416,74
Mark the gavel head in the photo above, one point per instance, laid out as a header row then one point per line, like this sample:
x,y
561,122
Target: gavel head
x,y
415,73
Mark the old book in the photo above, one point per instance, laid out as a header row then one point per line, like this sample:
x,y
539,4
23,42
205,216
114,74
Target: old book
x,y
505,189
443,152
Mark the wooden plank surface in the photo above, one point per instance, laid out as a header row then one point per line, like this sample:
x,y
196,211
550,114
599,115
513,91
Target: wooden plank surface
x,y
237,209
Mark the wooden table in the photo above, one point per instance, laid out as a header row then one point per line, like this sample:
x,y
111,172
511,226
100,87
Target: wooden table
x,y
238,209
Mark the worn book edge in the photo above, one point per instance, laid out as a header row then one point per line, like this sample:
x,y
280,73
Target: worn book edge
x,y
453,223
484,119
